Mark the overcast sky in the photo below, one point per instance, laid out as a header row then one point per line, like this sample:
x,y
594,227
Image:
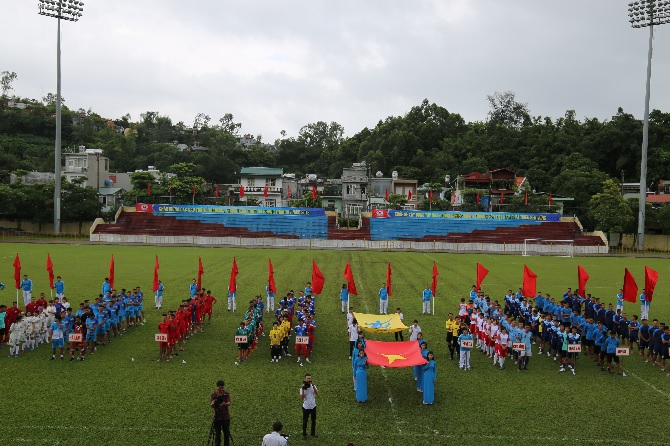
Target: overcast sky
x,y
281,64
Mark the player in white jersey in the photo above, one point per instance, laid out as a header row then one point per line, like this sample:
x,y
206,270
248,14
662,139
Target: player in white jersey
x,y
502,341
462,310
495,330
16,336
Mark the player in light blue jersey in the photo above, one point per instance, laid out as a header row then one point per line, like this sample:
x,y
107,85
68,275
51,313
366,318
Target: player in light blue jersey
x,y
383,299
464,363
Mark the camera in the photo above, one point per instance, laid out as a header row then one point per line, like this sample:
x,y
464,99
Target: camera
x,y
306,385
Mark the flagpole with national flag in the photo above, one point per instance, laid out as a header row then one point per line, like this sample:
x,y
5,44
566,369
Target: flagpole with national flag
x,y
232,283
17,276
529,285
201,271
111,273
155,284
434,285
389,286
317,278
272,287
50,270
351,284
482,272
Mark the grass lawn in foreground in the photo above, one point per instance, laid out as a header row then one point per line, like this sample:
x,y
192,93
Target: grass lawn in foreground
x,y
111,400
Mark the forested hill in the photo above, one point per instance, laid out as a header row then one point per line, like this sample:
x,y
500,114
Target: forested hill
x,y
564,155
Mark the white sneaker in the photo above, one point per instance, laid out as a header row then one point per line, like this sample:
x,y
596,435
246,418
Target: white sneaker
x,y
298,359
307,359
301,364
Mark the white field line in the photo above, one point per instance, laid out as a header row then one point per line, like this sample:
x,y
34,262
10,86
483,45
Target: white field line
x,y
648,384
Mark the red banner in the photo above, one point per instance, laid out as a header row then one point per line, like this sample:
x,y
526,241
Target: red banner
x,y
111,273
435,274
143,207
156,268
201,271
271,277
349,275
389,287
380,213
650,279
232,284
481,274
629,287
394,354
582,278
317,278
529,288
50,270
17,271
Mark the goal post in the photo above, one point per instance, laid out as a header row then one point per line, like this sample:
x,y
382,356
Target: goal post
x,y
545,247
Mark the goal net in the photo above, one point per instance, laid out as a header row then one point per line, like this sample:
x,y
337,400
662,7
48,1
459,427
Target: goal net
x,y
544,247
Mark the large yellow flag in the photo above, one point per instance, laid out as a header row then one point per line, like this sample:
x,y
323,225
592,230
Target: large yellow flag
x,y
379,323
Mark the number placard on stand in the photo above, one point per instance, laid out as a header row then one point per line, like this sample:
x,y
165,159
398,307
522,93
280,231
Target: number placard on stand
x,y
161,337
518,346
75,337
241,339
467,344
302,340
623,351
574,348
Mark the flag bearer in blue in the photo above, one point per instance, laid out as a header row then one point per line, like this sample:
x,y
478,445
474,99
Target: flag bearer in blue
x,y
361,375
524,355
574,338
429,376
464,363
383,299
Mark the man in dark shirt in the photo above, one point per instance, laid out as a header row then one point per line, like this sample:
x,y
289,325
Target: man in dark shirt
x,y
220,402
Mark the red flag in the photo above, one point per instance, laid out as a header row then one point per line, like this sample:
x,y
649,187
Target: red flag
x,y
430,196
650,279
526,200
289,193
313,192
394,354
317,278
409,195
241,191
386,197
435,274
170,190
389,287
50,270
502,197
149,189
216,192
481,274
232,285
271,277
529,288
17,271
582,278
453,198
194,191
265,191
629,287
550,198
479,200
111,272
349,275
201,271
156,268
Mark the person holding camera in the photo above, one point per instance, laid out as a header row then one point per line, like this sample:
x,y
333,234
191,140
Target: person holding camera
x,y
276,438
220,402
308,393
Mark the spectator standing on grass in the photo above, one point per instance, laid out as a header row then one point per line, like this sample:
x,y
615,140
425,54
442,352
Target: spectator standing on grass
x,y
27,289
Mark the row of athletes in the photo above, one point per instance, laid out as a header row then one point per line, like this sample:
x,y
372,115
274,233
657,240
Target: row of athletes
x,y
33,306
187,320
303,310
249,330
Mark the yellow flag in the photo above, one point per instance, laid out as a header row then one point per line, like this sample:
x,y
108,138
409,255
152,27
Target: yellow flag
x,y
380,323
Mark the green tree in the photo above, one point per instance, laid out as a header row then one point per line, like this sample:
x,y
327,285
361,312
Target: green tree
x,y
608,209
6,81
397,201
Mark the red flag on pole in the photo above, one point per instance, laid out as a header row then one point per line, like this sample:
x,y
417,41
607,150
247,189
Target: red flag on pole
x,y
550,198
156,268
409,195
386,197
317,278
201,271
313,192
481,274
389,287
529,287
349,275
453,198
271,277
170,190
232,284
526,200
650,279
216,192
17,271
241,191
50,270
435,274
582,278
502,197
629,287
265,191
194,191
149,189
479,200
111,272
430,195
289,193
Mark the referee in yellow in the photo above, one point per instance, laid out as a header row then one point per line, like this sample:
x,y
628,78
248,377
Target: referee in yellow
x,y
453,327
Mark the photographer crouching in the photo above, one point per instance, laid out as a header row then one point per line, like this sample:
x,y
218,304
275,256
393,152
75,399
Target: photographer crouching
x,y
276,438
219,400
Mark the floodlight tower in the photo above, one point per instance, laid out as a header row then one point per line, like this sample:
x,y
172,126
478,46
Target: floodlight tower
x,y
66,10
646,13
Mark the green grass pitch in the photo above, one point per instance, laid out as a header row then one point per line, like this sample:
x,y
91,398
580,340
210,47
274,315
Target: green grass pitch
x,y
110,400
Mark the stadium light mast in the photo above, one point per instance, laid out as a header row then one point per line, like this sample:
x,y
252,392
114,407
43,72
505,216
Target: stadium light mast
x,y
66,10
646,13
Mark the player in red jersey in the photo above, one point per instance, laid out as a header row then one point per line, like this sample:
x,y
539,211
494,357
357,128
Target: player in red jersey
x,y
209,303
78,329
164,327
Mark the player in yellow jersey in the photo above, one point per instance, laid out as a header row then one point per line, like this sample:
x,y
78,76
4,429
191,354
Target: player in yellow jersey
x,y
275,339
286,329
